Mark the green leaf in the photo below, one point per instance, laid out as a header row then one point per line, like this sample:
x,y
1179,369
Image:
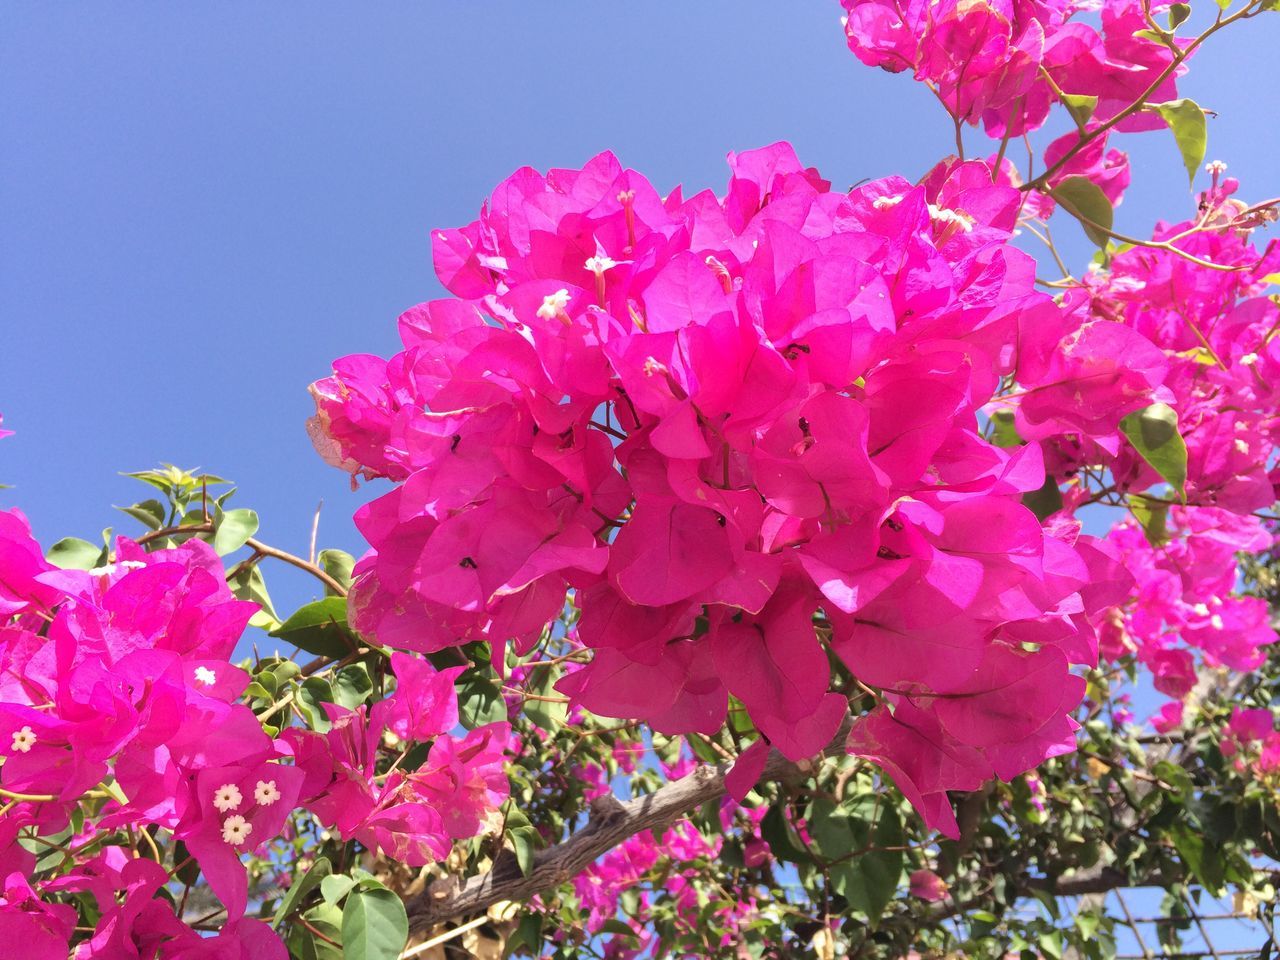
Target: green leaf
x,y
521,836
1045,501
549,714
869,882
480,702
1202,859
617,928
249,585
319,871
150,513
831,830
337,564
72,553
334,888
374,925
1153,432
1186,120
1087,923
352,686
1178,14
232,528
1080,107
1003,431
313,692
528,934
305,945
320,628
1084,200
781,837
1153,517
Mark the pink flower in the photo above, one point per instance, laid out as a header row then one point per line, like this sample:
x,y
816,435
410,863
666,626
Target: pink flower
x,y
1168,717
927,885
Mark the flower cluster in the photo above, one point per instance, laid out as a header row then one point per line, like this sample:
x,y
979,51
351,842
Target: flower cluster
x,y
1254,743
1184,599
676,858
119,715
1006,63
739,428
1200,292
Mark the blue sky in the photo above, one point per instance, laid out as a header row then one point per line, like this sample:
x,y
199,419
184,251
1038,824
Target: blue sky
x,y
202,205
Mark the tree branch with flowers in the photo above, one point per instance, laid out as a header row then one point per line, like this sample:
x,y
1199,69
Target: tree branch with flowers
x,y
727,589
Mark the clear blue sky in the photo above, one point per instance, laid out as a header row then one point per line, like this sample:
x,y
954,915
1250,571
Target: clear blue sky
x,y
201,205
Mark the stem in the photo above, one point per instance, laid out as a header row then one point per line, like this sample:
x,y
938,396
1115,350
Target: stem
x,y
1177,61
301,564
31,797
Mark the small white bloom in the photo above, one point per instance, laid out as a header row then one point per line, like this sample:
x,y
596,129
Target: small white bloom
x,y
1242,446
1216,621
1202,609
599,264
948,217
265,793
206,676
553,304
227,797
1215,167
236,829
24,740
1249,359
884,203
652,366
1127,284
109,569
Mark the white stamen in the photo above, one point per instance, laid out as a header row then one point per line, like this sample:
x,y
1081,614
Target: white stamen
x,y
553,304
599,264
112,568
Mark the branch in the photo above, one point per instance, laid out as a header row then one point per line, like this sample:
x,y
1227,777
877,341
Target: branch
x,y
611,821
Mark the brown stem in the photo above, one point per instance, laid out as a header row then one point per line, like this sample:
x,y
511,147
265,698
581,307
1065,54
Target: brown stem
x,y
611,821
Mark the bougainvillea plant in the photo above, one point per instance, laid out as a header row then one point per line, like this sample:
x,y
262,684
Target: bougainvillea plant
x,y
727,589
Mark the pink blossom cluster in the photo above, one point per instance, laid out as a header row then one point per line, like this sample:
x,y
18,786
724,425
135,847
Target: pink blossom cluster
x,y
1004,63
1254,742
1218,368
115,682
599,887
738,429
1217,331
1185,601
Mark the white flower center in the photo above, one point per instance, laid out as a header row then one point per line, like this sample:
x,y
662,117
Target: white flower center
x,y
265,793
24,740
236,829
553,304
599,264
227,797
